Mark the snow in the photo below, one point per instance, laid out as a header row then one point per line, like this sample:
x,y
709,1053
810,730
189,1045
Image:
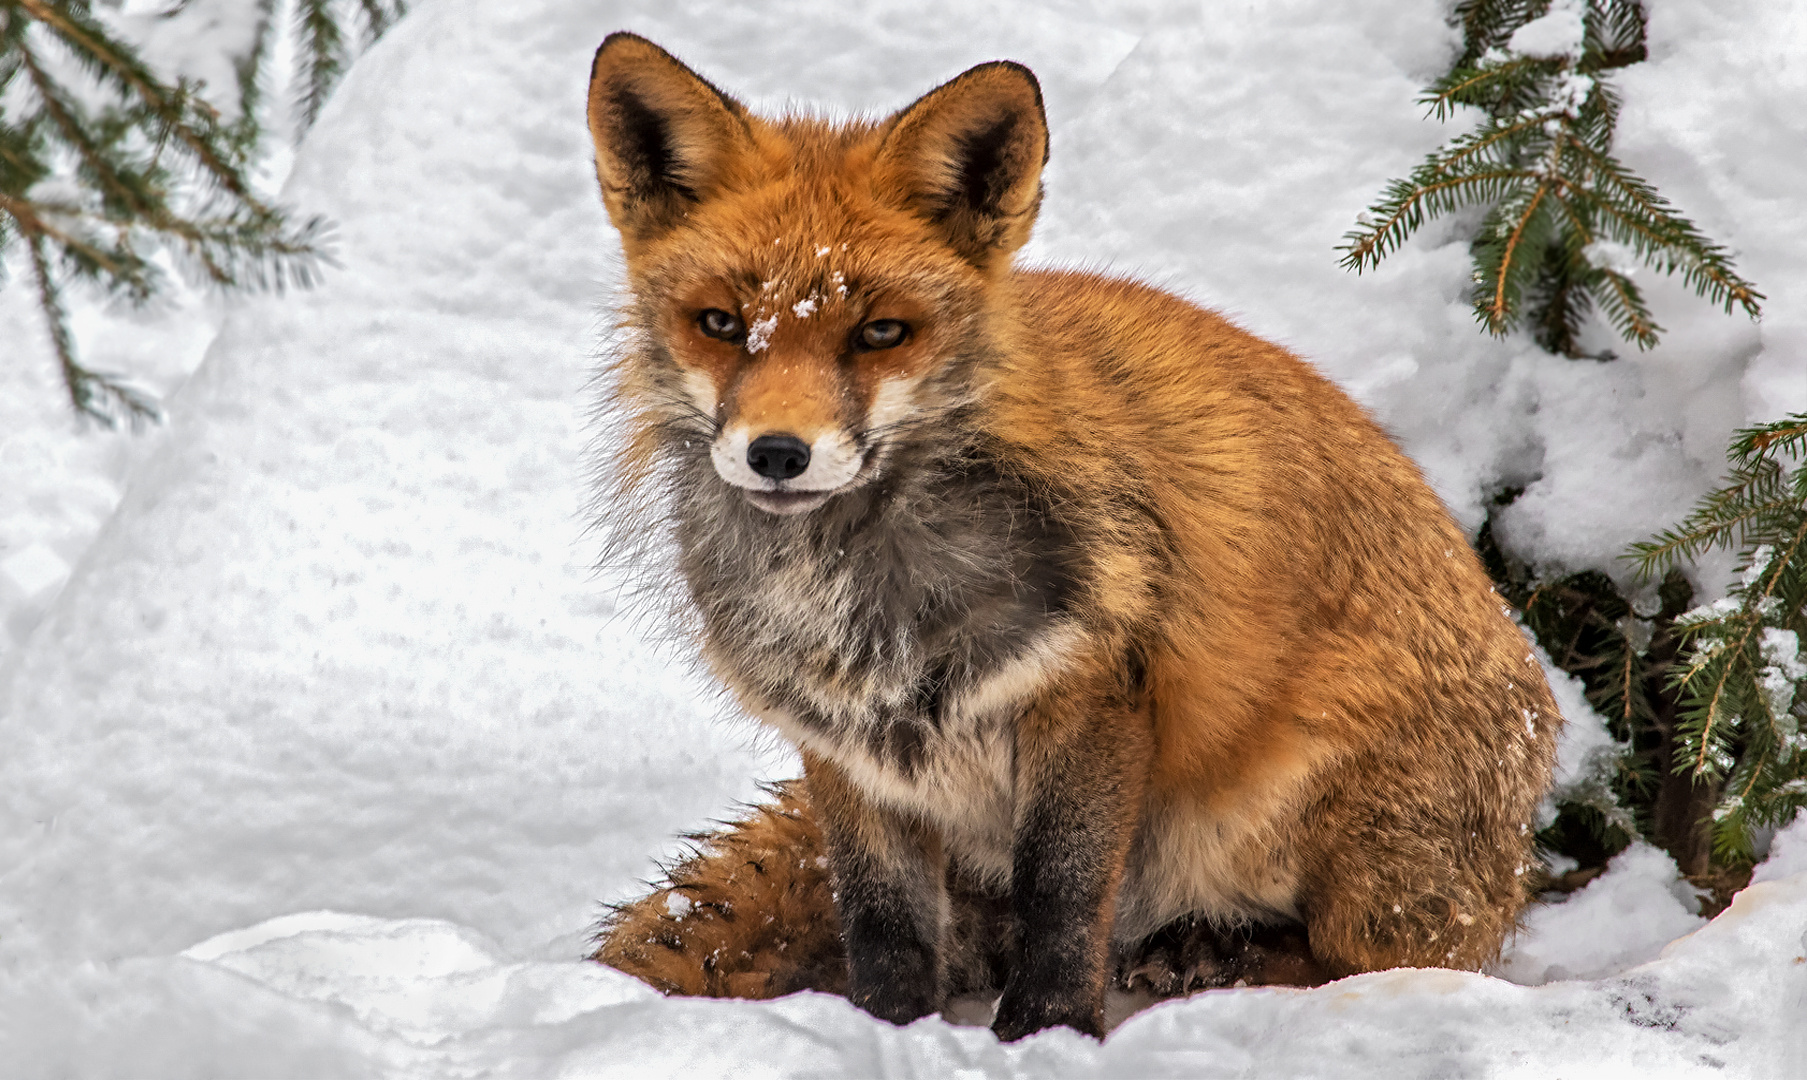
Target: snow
x,y
759,333
1783,669
35,570
321,756
199,45
1559,32
1787,855
1586,744
1620,919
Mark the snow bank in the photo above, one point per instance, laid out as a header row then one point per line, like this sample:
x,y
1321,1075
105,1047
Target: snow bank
x,y
420,998
321,758
60,481
1621,918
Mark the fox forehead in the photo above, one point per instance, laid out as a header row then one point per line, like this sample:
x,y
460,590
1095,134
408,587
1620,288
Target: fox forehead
x,y
803,201
788,242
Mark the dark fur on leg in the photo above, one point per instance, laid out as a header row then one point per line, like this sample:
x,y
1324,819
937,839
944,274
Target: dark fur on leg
x,y
890,889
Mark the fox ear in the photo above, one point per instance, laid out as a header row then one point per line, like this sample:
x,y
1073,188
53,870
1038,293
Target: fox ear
x,y
666,138
968,156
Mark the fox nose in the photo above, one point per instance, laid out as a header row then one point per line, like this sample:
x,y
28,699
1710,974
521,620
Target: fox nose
x,y
778,457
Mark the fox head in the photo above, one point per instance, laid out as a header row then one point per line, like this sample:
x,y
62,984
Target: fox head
x,y
809,293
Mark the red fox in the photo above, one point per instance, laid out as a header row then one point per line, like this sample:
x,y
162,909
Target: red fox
x,y
1109,634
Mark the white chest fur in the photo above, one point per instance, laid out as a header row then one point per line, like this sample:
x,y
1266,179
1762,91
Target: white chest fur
x,y
963,781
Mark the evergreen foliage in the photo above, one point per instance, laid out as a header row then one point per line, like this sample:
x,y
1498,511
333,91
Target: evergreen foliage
x,y
104,164
1710,701
1567,223
323,51
1741,678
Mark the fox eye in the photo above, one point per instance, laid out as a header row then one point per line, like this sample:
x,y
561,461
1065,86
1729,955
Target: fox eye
x,y
720,325
882,334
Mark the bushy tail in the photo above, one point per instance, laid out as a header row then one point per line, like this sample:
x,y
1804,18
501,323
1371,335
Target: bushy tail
x,y
750,914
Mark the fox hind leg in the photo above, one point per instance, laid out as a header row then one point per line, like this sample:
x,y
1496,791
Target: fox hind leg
x,y
1194,953
1418,890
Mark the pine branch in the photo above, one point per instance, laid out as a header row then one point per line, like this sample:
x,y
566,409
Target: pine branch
x,y
94,395
145,162
1647,221
129,198
1693,538
324,53
249,70
1486,24
116,64
379,17
1561,297
1717,695
1745,510
1407,205
322,48
1615,36
1713,711
1788,436
1624,306
1542,160
1502,262
1501,88
30,223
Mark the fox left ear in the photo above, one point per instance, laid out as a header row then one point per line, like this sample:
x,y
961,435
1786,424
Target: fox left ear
x,y
665,137
968,157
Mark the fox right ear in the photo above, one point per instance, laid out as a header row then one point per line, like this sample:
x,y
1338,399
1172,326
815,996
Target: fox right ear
x,y
665,137
968,157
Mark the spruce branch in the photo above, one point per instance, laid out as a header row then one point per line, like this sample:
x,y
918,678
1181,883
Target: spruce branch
x,y
322,56
379,17
249,71
116,64
1541,160
1712,699
1756,444
1517,228
95,396
101,179
1744,680
1758,503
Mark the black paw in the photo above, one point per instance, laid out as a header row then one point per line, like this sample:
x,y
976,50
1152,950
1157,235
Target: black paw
x,y
1022,1014
887,1003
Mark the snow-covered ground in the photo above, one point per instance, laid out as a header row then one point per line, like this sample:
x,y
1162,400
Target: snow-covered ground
x,y
319,745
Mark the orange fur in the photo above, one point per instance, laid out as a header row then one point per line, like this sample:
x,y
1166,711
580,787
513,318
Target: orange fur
x,y
753,902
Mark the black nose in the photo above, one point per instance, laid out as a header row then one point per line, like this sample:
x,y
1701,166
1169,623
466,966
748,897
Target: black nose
x,y
778,457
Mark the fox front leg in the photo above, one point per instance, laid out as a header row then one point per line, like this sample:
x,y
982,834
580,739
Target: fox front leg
x,y
891,895
1082,770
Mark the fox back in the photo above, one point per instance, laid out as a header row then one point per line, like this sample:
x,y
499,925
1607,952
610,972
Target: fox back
x,y
1072,594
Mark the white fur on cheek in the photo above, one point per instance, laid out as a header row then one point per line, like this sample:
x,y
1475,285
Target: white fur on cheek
x,y
833,461
701,389
729,453
894,402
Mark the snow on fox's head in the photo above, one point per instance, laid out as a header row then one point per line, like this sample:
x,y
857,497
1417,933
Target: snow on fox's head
x,y
804,285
